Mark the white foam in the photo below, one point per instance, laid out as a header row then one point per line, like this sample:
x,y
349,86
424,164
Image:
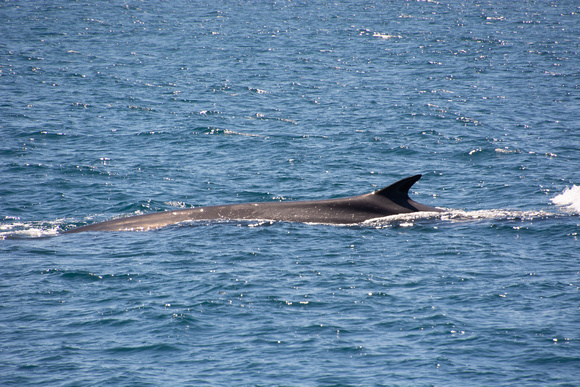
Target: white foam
x,y
569,198
499,214
28,230
453,216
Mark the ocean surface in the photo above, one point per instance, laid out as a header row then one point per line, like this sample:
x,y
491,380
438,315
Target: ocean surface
x,y
119,108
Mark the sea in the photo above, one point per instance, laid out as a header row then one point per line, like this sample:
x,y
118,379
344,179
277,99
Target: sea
x,y
124,107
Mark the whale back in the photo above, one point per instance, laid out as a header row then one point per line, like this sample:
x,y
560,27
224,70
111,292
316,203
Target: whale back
x,y
390,200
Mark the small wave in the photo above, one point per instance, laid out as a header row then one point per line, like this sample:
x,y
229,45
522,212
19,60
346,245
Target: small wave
x,y
209,112
262,117
386,36
258,223
569,199
176,204
226,132
256,90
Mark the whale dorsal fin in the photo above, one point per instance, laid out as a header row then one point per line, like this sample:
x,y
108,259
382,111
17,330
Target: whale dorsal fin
x,y
399,190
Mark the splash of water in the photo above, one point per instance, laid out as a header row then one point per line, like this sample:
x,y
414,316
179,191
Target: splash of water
x,y
18,229
569,199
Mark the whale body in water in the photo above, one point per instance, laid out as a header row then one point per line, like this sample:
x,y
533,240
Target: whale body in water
x,y
391,200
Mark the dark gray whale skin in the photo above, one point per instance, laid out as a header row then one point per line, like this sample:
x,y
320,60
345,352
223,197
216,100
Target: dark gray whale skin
x,y
391,200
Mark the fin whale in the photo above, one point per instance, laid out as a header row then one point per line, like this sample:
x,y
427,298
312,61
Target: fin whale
x,y
391,200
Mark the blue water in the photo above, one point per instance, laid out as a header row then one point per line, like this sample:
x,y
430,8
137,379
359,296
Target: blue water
x,y
117,108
